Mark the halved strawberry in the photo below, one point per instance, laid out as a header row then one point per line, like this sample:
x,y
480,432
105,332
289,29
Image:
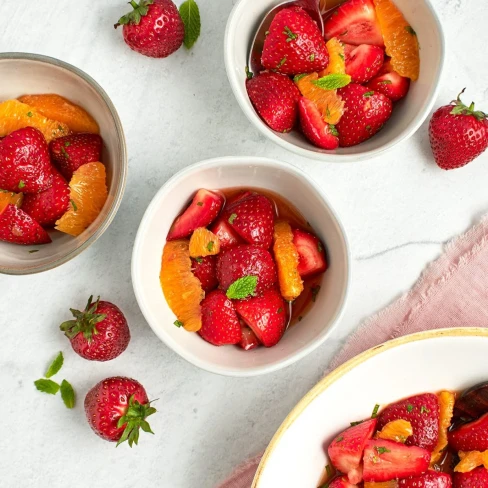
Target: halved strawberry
x,y
249,340
202,211
431,479
311,253
223,230
390,83
478,478
265,315
340,482
387,460
317,131
346,450
205,270
471,437
355,22
18,227
363,62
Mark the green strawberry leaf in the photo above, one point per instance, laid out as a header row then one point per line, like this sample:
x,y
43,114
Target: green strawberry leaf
x,y
55,366
47,386
68,394
242,288
332,81
190,14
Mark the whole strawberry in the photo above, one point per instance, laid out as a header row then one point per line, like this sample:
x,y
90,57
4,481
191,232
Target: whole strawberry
x,y
458,134
154,28
68,153
116,408
431,479
99,333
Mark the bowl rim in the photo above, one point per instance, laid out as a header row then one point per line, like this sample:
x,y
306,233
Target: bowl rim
x,y
174,344
343,369
119,191
253,117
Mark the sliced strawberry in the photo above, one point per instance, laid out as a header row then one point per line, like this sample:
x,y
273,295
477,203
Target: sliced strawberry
x,y
220,324
340,482
471,437
51,204
387,460
18,227
202,211
422,411
246,260
205,270
355,22
227,236
294,44
363,62
265,315
346,450
311,253
253,219
249,340
274,96
317,131
240,196
390,83
478,478
431,479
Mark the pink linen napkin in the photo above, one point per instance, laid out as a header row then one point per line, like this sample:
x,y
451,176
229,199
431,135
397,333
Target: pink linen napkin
x,y
451,292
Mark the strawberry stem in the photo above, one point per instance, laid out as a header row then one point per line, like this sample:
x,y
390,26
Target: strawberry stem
x,y
135,419
139,10
85,322
460,109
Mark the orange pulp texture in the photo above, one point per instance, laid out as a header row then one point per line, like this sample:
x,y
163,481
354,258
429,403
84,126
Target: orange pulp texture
x,y
396,430
337,63
9,197
182,290
471,460
382,484
15,115
204,243
401,41
286,257
446,409
58,108
88,193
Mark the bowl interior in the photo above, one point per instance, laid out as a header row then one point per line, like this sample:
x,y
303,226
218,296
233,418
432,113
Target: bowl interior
x,y
227,173
296,455
31,76
408,113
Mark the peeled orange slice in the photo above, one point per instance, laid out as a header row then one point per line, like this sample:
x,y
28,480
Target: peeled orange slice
x,y
471,460
203,243
396,430
381,484
337,63
401,41
16,115
181,288
88,193
58,108
328,102
286,257
446,410
9,197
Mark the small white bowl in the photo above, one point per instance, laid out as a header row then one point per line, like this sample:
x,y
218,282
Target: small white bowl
x,y
229,172
408,114
446,359
28,74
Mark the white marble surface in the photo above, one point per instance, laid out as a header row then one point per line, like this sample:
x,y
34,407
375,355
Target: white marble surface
x,y
397,210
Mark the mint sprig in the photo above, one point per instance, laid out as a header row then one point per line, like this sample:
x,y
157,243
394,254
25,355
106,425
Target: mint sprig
x,y
332,81
242,288
47,386
55,366
67,394
190,14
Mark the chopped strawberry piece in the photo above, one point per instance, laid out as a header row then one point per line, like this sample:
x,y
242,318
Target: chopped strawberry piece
x,y
249,340
387,460
311,253
18,227
202,211
431,479
390,83
346,450
341,482
363,62
227,236
478,478
471,437
205,270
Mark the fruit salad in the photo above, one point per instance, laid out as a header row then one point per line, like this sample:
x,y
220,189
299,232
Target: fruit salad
x,y
340,88
240,266
51,176
427,440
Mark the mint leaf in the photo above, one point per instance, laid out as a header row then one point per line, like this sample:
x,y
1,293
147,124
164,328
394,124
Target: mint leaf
x,y
75,207
210,246
299,77
385,82
410,30
190,14
232,218
242,288
178,323
381,449
21,184
67,394
332,81
47,386
55,366
335,133
368,94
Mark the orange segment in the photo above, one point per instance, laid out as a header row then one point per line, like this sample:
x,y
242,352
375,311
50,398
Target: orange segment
x,y
204,243
446,409
15,115
286,257
58,108
401,41
382,484
9,197
337,63
328,102
181,288
471,460
396,430
88,193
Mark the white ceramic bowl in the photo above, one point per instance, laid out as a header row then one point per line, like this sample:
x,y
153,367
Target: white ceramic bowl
x,y
451,359
229,172
408,114
23,74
